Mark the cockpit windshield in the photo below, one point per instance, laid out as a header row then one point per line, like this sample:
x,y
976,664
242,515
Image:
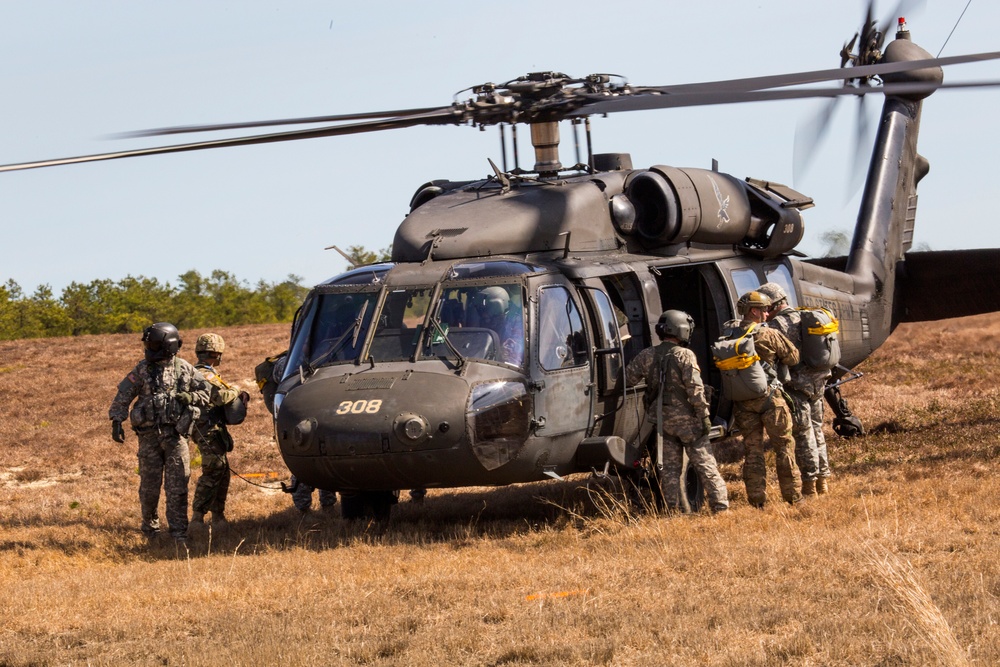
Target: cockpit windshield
x,y
476,313
480,322
332,329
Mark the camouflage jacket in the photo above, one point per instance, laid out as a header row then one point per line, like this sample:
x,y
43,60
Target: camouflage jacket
x,y
684,404
154,388
809,381
220,394
773,347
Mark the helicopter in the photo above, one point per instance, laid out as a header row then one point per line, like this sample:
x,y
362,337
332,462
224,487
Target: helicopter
x,y
489,350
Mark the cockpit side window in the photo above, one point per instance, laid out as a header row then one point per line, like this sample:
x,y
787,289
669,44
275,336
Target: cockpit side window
x,y
562,342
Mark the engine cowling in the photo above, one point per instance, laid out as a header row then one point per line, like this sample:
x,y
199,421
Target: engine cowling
x,y
675,205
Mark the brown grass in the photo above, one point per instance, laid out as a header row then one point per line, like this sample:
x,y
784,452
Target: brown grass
x,y
896,567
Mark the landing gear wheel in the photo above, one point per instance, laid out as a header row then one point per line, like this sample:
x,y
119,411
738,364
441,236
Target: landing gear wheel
x,y
692,487
375,505
848,427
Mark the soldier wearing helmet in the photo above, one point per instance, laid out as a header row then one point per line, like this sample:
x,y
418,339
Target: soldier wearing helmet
x,y
805,387
227,405
769,413
495,311
675,401
169,394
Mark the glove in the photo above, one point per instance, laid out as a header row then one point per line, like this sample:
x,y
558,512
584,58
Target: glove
x,y
245,397
117,432
706,426
184,398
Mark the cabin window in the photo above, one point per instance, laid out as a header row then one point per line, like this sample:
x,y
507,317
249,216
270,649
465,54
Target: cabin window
x,y
562,342
745,280
781,275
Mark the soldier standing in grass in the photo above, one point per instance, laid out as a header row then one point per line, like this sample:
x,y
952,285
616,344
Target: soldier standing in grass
x,y
770,412
805,388
673,381
169,394
212,436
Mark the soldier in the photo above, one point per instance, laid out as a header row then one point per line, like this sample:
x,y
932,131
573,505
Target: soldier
x,y
169,394
212,436
302,496
769,413
673,381
805,388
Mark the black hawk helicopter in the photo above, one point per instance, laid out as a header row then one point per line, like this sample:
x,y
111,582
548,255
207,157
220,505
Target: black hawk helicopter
x,y
490,349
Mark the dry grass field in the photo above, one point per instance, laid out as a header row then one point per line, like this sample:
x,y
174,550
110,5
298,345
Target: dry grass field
x,y
897,566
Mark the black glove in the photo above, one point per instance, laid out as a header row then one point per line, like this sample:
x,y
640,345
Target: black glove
x,y
117,432
245,397
184,398
706,425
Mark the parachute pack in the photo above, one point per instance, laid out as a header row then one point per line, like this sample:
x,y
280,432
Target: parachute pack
x,y
820,343
743,377
264,375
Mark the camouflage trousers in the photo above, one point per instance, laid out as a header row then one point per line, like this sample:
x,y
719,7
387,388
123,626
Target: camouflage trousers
x,y
753,418
807,429
213,485
700,458
164,459
302,496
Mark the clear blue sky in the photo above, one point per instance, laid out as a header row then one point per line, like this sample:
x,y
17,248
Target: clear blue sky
x,y
75,72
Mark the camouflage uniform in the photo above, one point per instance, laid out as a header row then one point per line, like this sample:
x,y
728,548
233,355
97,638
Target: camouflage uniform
x,y
214,441
770,414
685,413
162,425
806,389
302,496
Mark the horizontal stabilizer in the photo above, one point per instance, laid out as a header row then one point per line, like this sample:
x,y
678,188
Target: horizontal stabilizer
x,y
948,283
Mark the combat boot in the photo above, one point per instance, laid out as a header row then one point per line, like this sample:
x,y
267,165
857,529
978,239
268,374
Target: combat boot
x,y
822,485
219,521
197,517
809,487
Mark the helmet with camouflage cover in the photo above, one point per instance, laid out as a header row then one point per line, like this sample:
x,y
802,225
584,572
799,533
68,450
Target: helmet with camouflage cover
x,y
675,323
774,292
752,299
210,342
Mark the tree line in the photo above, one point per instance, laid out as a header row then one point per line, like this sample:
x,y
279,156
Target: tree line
x,y
133,303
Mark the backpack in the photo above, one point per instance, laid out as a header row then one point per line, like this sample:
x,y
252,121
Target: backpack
x,y
264,375
743,377
820,343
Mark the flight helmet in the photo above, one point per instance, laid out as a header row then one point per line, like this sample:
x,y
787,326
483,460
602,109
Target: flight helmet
x,y
161,341
675,323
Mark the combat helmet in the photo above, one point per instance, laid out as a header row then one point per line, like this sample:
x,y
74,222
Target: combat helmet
x,y
675,323
161,341
494,300
752,299
209,342
774,292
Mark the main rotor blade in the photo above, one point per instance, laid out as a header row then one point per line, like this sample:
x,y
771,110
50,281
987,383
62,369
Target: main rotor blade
x,y
808,137
818,76
183,129
442,116
650,102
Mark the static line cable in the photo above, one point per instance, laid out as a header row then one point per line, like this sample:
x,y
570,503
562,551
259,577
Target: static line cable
x,y
954,28
280,487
